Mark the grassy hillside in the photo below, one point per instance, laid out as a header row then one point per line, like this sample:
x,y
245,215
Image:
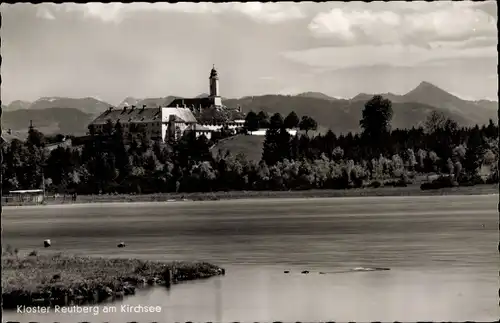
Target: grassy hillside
x,y
251,146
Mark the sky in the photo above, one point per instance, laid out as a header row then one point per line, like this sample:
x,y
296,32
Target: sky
x,y
113,51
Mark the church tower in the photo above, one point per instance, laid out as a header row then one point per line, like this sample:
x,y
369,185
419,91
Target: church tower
x,y
214,87
214,83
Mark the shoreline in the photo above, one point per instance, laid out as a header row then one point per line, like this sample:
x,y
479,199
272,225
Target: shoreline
x,y
411,190
63,280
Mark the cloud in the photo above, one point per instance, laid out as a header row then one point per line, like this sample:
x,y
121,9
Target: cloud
x,y
116,12
44,13
269,12
407,23
132,58
346,25
469,43
395,55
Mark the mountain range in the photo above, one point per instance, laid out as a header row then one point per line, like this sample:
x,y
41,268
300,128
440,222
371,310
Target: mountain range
x,y
149,102
71,116
154,102
48,120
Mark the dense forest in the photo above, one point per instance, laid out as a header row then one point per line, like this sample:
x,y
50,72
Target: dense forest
x,y
376,156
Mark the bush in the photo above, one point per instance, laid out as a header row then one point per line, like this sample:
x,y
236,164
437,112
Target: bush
x,y
471,180
445,181
400,183
426,186
493,176
492,179
375,184
440,182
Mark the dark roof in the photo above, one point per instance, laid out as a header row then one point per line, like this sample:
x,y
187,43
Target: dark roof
x,y
196,102
144,115
129,115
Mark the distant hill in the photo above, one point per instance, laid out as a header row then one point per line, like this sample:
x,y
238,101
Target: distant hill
x,y
87,105
129,101
486,104
206,95
343,116
340,115
328,113
48,121
365,97
427,93
52,115
156,102
316,95
16,105
470,112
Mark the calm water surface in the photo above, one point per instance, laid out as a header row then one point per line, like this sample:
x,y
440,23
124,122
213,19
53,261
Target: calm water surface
x,y
444,263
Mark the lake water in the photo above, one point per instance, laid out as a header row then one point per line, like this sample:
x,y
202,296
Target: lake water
x,y
444,262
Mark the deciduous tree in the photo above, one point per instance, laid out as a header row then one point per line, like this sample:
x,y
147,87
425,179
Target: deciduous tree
x,y
292,120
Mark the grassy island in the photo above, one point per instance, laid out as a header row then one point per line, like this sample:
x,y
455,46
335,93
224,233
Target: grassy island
x,y
58,279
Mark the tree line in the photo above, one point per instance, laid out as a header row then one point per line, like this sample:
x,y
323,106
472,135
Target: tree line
x,y
376,156
255,121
